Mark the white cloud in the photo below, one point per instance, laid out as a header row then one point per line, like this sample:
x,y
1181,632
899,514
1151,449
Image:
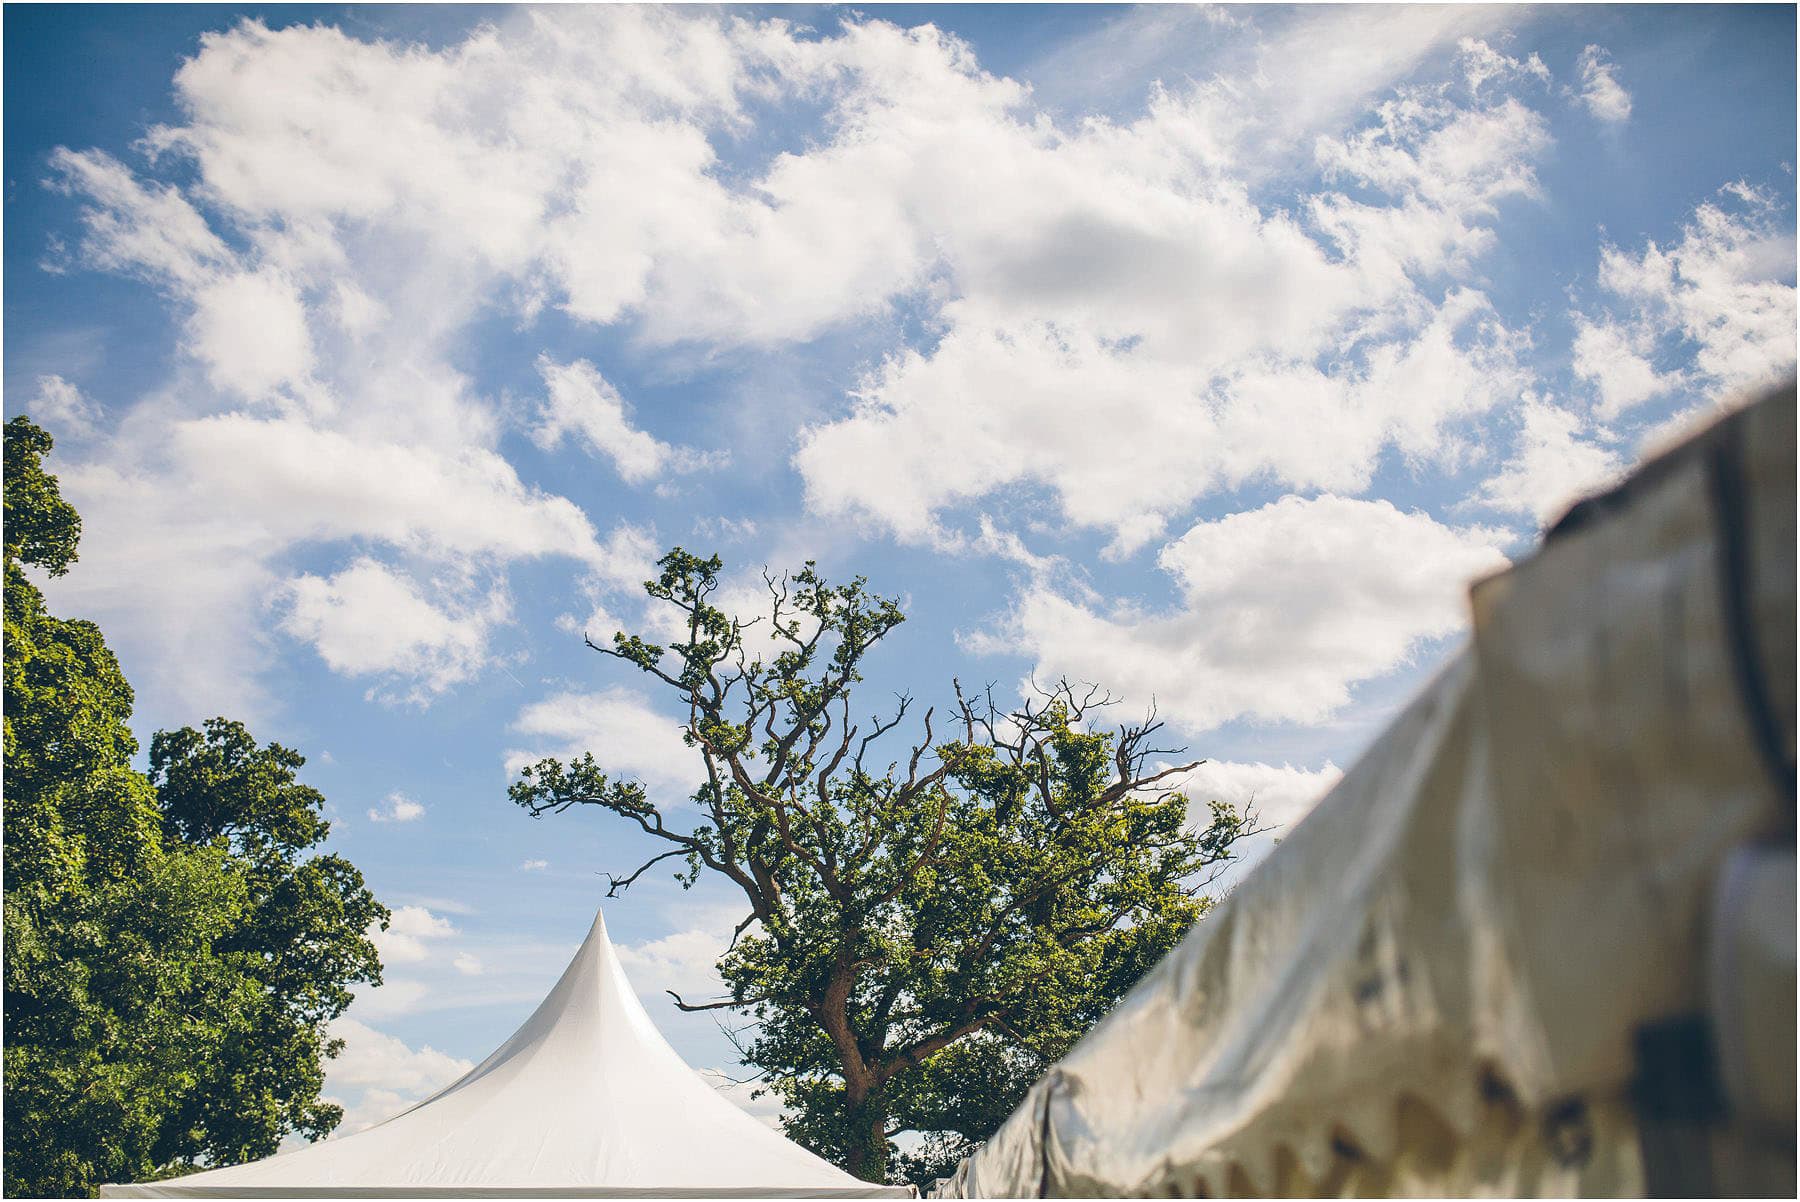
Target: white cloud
x,y
535,865
1481,62
567,150
1279,797
447,905
682,962
325,265
582,402
177,587
1552,466
376,1075
247,327
1719,298
1601,92
988,409
630,739
429,965
405,941
188,522
628,560
1332,60
1281,74
725,529
368,620
1282,610
1616,357
1457,160
1082,280
250,331
63,410
560,150
152,231
307,483
353,310
393,997
397,807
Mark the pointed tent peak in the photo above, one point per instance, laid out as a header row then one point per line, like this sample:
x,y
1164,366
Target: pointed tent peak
x,y
586,1096
595,968
596,947
595,983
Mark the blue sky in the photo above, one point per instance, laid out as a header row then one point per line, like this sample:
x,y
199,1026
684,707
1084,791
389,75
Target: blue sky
x,y
1203,353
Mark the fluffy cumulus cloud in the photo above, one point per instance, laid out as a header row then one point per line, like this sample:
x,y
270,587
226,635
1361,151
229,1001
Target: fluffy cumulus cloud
x,y
1282,610
145,229
1615,359
627,735
394,997
571,155
1556,462
568,158
1118,280
456,505
369,620
430,964
249,328
1277,796
191,519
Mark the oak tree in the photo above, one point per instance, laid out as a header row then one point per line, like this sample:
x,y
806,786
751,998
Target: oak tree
x,y
925,933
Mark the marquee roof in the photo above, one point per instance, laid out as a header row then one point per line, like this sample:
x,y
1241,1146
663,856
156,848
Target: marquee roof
x,y
585,1100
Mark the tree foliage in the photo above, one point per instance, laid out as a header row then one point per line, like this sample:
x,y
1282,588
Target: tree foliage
x,y
924,935
174,943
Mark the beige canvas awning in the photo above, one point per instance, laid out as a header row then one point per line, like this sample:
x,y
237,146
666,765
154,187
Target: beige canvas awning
x,y
1539,940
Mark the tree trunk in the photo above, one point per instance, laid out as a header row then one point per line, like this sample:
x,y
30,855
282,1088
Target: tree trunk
x,y
866,1144
865,1118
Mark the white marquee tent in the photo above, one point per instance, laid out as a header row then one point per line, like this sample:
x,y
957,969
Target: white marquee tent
x,y
585,1100
1539,941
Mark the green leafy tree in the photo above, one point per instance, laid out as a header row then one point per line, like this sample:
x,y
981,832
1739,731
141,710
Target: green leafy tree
x,y
173,945
923,936
298,943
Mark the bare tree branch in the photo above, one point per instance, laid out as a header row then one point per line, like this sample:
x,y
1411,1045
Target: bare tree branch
x,y
615,885
727,1004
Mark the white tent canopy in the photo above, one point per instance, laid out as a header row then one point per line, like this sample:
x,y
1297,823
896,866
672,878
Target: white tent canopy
x,y
585,1100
